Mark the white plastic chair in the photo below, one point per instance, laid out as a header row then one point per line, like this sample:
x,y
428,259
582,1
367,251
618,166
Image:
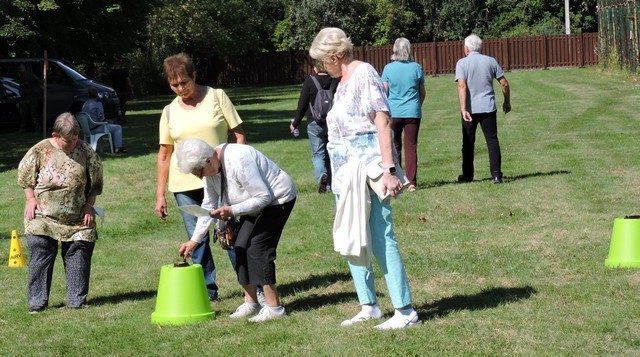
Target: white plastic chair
x,y
93,138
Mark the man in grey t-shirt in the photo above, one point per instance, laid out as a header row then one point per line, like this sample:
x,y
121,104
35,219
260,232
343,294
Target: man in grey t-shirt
x,y
474,74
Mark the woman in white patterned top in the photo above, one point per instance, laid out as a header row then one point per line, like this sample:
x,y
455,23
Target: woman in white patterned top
x,y
359,125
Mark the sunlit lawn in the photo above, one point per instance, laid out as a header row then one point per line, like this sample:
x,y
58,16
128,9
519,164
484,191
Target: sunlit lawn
x,y
513,269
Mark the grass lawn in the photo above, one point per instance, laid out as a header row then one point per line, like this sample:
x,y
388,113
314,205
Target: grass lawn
x,y
511,269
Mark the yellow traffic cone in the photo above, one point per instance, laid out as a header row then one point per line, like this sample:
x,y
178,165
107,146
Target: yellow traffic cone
x,y
16,259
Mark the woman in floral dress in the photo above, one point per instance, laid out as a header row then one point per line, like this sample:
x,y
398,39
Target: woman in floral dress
x,y
61,177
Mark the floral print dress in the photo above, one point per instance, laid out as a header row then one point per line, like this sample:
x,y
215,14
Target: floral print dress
x,y
62,183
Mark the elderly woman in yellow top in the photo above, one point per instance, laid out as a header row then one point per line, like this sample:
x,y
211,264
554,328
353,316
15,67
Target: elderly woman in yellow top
x,y
61,177
197,112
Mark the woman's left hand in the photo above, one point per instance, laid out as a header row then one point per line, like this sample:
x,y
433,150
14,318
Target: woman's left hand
x,y
223,213
88,215
392,184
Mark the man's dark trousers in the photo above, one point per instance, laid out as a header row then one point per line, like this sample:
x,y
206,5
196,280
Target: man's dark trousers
x,y
488,122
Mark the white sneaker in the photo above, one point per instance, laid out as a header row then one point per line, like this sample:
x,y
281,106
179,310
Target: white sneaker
x,y
266,313
400,321
245,310
362,317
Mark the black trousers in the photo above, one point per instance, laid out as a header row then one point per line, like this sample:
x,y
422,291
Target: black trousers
x,y
256,244
488,122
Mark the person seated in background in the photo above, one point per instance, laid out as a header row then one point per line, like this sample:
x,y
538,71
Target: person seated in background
x,y
94,108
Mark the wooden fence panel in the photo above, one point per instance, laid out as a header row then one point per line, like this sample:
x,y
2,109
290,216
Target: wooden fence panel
x,y
424,54
434,57
448,53
378,56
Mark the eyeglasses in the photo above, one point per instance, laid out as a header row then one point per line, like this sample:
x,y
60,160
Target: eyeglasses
x,y
180,84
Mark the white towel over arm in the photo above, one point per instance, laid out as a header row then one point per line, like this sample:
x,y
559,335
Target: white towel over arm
x,y
351,232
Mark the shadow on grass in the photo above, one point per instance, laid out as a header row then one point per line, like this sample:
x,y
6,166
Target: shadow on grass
x,y
314,281
505,178
315,301
126,296
486,299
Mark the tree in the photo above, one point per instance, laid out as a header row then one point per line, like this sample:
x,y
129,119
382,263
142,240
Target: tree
x,y
19,32
209,27
89,33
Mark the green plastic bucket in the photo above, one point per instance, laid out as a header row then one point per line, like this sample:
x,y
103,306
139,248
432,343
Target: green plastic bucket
x,y
182,296
624,250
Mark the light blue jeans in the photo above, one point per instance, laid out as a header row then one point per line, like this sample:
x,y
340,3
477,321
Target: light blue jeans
x,y
202,253
387,255
318,138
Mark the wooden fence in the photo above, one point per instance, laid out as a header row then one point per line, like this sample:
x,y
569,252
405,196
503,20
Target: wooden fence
x,y
517,53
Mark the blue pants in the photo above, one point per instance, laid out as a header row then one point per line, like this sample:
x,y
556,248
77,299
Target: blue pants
x,y
387,255
202,253
318,138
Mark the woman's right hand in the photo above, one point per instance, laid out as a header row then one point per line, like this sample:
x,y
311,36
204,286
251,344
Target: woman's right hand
x,y
161,207
186,248
30,208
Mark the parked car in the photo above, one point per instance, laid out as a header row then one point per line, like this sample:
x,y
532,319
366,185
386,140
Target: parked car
x,y
9,103
66,87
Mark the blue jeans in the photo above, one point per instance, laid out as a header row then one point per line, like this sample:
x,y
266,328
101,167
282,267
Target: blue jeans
x,y
202,253
385,250
318,138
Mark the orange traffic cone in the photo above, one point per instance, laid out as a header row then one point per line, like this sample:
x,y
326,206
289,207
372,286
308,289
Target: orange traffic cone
x,y
16,259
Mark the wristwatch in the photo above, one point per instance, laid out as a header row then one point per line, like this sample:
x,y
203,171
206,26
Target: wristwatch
x,y
392,170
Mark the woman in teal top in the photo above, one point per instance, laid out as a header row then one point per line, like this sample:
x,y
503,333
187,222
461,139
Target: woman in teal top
x,y
404,82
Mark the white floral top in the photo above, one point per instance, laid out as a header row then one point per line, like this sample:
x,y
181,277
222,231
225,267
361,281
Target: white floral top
x,y
350,121
62,183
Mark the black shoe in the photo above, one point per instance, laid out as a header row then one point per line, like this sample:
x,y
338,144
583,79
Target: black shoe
x,y
121,151
213,296
463,179
324,181
497,179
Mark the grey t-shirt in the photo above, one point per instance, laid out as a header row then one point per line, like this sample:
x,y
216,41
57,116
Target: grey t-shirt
x,y
479,71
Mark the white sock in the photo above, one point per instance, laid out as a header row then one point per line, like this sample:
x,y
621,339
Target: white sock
x,y
371,309
276,309
405,312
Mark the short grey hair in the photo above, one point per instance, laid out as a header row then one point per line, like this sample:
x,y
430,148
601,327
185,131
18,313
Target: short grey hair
x,y
66,125
331,41
192,154
473,43
402,50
